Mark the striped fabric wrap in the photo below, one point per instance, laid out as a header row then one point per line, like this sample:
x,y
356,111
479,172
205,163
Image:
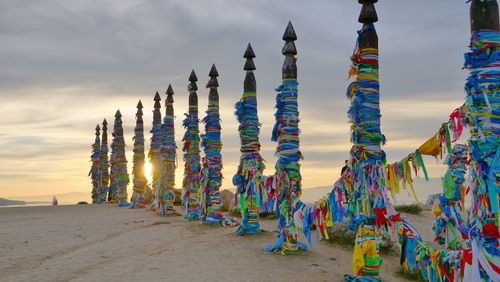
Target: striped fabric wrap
x,y
103,156
119,174
286,182
367,209
211,174
251,194
95,170
168,157
138,170
154,157
192,166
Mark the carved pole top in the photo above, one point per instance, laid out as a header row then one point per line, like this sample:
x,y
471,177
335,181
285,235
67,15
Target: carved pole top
x,y
249,84
193,79
170,94
157,99
139,108
213,74
289,34
368,16
97,128
289,70
192,76
104,125
249,55
169,107
170,91
213,71
193,98
484,15
118,115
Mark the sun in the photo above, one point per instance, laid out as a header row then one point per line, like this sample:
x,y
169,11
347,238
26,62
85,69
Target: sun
x,y
148,172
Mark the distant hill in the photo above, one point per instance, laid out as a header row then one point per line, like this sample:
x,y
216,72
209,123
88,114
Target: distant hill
x,y
70,198
5,202
309,195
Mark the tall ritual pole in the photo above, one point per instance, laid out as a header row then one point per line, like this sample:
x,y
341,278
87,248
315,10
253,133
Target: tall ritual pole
x,y
165,202
286,132
482,108
119,174
154,150
367,157
249,179
140,183
104,163
113,179
211,174
191,149
95,170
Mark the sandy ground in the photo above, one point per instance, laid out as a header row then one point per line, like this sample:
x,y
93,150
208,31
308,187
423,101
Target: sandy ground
x,y
108,243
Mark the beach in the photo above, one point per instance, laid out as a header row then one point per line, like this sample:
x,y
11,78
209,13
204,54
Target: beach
x,y
108,243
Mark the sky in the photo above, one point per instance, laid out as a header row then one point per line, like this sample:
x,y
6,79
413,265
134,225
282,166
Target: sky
x,y
68,64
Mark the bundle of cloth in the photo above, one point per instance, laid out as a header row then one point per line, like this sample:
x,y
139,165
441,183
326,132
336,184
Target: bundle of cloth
x,y
192,166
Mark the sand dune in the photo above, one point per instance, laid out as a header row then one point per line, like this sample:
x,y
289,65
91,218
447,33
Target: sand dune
x,y
107,243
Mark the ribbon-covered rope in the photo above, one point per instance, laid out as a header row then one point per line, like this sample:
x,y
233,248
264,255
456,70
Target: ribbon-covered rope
x,y
191,149
449,208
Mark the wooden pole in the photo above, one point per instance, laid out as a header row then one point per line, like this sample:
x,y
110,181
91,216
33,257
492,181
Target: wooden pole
x,y
192,166
138,196
484,15
103,197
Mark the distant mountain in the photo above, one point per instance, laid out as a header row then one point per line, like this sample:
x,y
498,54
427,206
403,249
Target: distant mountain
x,y
69,198
5,202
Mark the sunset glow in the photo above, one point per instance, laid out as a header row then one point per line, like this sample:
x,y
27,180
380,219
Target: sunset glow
x,y
148,172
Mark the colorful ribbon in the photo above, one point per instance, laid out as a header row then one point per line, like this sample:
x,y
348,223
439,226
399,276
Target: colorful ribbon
x,y
140,182
287,179
165,194
191,149
95,170
251,192
119,175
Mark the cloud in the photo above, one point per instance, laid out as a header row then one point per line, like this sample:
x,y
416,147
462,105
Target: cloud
x,y
69,64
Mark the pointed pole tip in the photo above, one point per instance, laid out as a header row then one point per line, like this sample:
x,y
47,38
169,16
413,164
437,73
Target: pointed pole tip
x,y
213,71
249,54
157,97
289,34
192,76
170,91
